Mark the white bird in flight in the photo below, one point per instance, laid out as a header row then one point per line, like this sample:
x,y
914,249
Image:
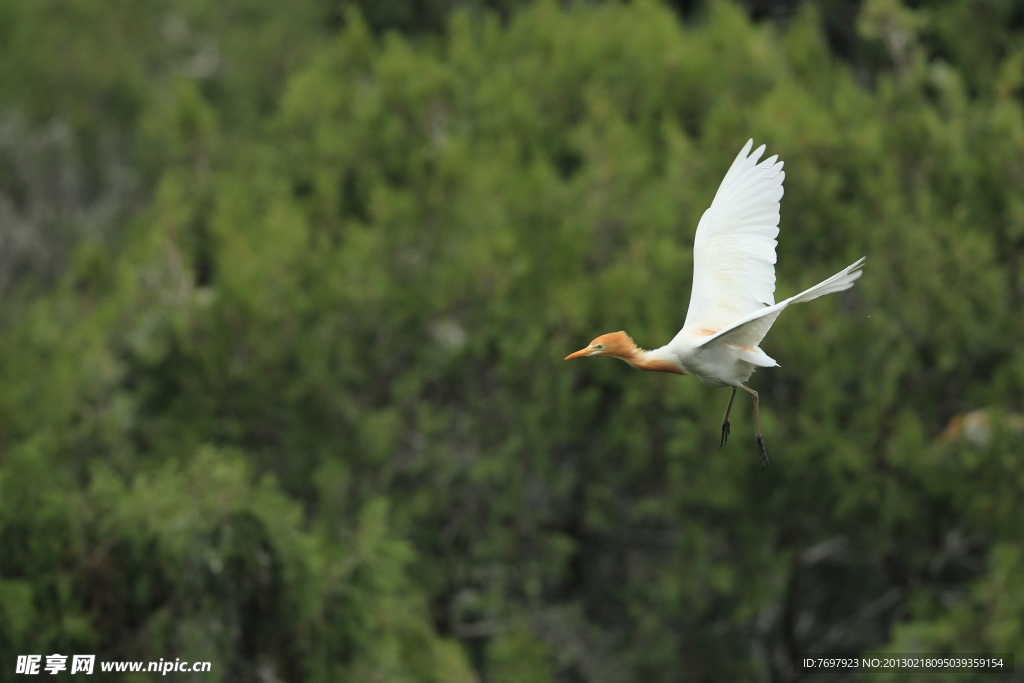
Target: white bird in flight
x,y
732,302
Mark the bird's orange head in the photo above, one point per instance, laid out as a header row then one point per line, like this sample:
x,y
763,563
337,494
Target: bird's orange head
x,y
615,344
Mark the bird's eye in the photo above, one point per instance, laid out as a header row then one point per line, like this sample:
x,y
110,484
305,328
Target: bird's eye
x,y
599,346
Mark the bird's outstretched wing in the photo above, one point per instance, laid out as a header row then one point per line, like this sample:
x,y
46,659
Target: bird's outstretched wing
x,y
734,249
748,331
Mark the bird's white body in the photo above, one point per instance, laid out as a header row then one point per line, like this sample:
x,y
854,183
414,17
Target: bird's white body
x,y
732,301
716,364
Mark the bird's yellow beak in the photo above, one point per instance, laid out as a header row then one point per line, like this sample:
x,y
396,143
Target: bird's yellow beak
x,y
581,352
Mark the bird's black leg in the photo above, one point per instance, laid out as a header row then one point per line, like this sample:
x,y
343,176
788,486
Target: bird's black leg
x,y
757,429
725,421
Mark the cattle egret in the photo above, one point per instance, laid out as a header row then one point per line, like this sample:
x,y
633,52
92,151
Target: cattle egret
x,y
732,302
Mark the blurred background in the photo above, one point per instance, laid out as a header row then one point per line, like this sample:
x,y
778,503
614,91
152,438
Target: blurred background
x,y
286,289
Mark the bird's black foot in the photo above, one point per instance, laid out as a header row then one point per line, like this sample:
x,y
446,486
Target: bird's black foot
x,y
763,451
726,431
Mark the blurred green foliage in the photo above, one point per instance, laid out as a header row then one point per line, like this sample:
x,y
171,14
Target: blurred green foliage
x,y
287,296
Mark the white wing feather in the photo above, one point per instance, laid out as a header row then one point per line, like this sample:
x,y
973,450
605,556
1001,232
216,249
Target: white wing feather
x,y
734,248
747,332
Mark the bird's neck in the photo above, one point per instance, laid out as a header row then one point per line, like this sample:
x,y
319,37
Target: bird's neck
x,y
647,360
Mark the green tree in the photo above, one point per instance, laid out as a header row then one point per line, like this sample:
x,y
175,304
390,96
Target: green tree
x,y
310,419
